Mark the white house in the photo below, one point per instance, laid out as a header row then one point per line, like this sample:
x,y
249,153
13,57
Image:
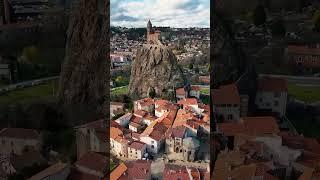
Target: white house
x,y
195,92
18,140
272,95
124,120
136,150
226,103
153,137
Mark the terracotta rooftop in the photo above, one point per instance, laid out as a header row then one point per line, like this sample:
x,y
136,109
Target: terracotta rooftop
x,y
136,119
300,142
175,172
146,102
94,161
254,126
19,133
180,91
188,101
227,94
118,171
272,84
195,88
161,102
56,168
115,132
140,113
294,49
139,169
178,132
137,145
261,125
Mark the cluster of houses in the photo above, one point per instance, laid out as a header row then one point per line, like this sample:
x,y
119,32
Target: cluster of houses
x,y
251,145
159,128
158,125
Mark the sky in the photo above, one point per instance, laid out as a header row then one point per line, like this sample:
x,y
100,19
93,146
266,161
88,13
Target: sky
x,y
173,13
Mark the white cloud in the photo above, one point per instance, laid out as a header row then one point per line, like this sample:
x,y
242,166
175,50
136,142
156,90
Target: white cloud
x,y
174,13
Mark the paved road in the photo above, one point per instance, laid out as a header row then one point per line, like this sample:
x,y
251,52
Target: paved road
x,y
299,80
24,84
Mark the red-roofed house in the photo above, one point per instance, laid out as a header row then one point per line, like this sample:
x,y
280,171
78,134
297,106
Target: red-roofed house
x,y
303,55
154,136
175,172
16,140
226,103
195,92
136,150
91,137
146,104
272,95
139,170
93,164
174,139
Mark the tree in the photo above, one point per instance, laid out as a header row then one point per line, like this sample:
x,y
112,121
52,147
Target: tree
x,y
196,70
259,15
278,29
121,81
31,54
152,93
190,66
316,21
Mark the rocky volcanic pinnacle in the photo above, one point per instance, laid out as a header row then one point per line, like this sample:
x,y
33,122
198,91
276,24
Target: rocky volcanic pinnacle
x,y
155,67
85,70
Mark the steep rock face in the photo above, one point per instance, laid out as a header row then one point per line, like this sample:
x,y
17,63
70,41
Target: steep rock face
x,y
85,70
155,67
227,58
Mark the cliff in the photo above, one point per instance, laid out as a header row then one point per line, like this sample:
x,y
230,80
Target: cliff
x,y
85,72
155,67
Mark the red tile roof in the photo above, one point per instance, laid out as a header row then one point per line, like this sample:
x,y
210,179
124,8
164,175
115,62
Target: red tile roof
x,y
136,119
300,142
188,101
250,126
140,113
94,161
227,94
137,145
115,132
175,172
178,132
19,133
118,171
272,84
139,169
261,125
195,88
146,102
294,49
180,91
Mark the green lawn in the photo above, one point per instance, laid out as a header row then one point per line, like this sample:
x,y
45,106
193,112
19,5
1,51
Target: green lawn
x,y
304,93
29,94
112,165
205,91
120,91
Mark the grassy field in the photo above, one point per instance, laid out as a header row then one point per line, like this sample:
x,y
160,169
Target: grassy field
x,y
30,93
112,165
120,91
205,91
304,93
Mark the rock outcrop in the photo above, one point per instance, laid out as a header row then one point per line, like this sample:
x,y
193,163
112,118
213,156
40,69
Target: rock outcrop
x,y
155,68
85,72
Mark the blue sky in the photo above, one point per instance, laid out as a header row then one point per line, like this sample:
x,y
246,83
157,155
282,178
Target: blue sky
x,y
173,13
